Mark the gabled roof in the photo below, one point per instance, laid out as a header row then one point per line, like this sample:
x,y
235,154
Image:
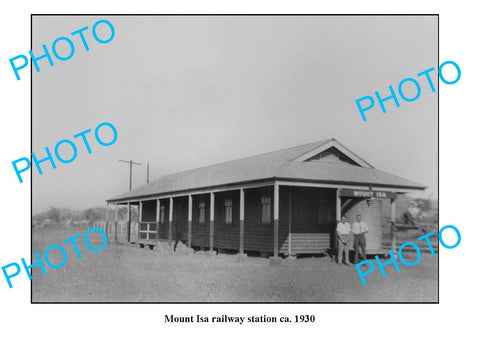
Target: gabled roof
x,y
285,164
325,145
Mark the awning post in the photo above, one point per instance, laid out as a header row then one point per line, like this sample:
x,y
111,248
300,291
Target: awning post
x,y
242,220
393,227
212,219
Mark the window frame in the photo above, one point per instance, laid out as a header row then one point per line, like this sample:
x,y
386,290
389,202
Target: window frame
x,y
263,205
162,214
228,211
201,211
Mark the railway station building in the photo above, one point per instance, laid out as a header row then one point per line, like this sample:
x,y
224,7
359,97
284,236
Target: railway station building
x,y
281,203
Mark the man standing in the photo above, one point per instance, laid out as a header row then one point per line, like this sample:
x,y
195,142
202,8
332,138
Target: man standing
x,y
343,232
359,229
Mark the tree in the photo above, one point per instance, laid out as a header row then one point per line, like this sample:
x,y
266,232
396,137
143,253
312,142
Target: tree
x,y
54,214
423,204
91,215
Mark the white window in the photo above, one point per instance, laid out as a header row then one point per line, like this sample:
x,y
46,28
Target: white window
x,y
201,212
162,214
228,211
266,209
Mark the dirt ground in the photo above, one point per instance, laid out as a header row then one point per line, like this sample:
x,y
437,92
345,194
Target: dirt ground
x,y
130,274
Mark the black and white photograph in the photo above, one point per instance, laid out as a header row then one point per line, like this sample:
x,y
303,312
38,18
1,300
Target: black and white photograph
x,y
215,174
226,159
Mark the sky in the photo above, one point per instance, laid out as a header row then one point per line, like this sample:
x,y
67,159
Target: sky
x,y
190,91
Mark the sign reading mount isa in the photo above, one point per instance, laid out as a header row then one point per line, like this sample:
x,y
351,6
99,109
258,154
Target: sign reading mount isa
x,y
368,194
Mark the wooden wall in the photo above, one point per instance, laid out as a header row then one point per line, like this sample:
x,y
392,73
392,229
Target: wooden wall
x,y
180,218
312,220
258,236
200,231
310,234
163,228
227,236
149,211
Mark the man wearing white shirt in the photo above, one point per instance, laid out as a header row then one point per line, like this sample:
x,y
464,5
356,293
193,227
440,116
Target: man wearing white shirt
x,y
359,229
343,233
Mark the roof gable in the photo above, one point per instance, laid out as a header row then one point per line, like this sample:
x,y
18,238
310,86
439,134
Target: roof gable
x,y
333,155
333,152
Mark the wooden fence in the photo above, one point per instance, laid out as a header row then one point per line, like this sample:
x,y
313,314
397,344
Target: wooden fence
x,y
118,232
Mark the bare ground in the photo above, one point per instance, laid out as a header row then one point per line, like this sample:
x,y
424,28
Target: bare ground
x,y
129,274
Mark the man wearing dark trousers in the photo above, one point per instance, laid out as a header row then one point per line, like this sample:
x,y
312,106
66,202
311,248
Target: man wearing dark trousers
x,y
359,230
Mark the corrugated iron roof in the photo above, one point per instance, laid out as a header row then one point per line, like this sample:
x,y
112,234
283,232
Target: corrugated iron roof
x,y
278,164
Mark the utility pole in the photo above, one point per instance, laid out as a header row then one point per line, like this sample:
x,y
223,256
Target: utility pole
x,y
131,163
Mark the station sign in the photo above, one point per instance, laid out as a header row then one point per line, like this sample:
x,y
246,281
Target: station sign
x,y
367,194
